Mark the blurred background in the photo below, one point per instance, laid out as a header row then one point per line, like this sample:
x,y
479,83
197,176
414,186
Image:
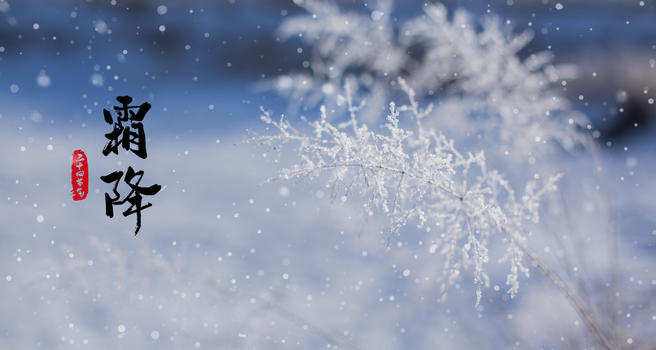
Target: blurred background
x,y
77,53
225,260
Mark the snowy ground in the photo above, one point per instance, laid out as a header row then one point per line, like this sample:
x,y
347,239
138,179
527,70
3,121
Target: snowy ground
x,y
225,260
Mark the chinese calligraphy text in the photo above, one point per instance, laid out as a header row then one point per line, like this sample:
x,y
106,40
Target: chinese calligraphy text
x,y
131,137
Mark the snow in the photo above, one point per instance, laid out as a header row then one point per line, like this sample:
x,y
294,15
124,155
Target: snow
x,y
233,256
43,80
162,10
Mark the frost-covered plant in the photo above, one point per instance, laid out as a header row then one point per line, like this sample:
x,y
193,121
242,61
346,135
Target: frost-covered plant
x,y
418,175
346,46
472,71
484,95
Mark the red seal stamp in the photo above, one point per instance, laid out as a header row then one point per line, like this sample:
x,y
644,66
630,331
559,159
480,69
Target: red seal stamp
x,y
79,175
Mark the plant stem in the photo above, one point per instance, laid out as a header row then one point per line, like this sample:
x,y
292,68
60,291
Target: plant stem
x,y
565,290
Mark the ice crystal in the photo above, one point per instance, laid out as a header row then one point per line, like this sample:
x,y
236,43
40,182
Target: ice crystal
x,y
417,175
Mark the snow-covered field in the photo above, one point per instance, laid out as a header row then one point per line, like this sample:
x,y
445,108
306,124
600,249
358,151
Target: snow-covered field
x,y
225,260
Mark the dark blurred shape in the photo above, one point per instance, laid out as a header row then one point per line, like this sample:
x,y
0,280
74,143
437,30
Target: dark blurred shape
x,y
634,120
